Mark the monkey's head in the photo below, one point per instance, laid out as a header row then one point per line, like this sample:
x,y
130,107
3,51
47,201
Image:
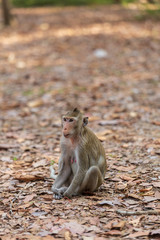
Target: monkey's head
x,y
72,123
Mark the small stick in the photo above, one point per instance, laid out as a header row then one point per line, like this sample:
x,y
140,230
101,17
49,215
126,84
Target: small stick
x,y
129,213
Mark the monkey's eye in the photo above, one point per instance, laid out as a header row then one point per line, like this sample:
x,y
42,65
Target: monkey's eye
x,y
70,120
64,119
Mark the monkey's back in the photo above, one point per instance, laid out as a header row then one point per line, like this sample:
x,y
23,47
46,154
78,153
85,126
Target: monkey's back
x,y
95,150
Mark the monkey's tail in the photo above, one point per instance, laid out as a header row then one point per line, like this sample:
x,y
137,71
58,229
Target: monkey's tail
x,y
52,173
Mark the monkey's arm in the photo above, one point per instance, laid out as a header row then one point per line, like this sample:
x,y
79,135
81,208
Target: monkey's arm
x,y
82,160
64,172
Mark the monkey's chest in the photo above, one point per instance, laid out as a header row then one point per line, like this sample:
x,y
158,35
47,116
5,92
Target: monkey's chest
x,y
74,165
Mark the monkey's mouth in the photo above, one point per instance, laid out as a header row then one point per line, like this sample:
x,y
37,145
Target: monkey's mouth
x,y
66,135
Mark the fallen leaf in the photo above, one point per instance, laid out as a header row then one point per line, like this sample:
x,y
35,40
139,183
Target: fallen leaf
x,y
156,184
6,159
120,225
138,234
65,233
72,226
28,198
145,189
155,233
35,103
157,123
38,214
135,222
127,178
149,199
27,205
122,168
40,163
93,118
114,233
28,178
135,196
157,195
120,186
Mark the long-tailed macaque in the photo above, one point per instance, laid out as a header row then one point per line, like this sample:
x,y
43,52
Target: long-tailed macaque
x,y
82,164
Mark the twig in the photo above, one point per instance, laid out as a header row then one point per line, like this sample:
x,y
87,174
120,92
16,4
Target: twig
x,y
129,213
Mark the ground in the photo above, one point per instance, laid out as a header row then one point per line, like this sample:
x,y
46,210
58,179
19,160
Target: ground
x,y
106,62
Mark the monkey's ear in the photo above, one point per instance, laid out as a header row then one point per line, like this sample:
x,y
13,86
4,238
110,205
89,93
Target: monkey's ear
x,y
85,121
75,110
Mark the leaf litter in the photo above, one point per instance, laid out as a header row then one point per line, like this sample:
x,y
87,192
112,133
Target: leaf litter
x,y
104,61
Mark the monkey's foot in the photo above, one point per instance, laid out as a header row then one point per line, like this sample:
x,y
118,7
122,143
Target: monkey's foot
x,y
57,196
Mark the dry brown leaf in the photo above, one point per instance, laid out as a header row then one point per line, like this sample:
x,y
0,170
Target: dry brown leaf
x,y
156,184
35,103
138,234
120,186
135,196
157,123
157,195
28,178
27,205
47,197
126,178
135,222
40,163
28,198
149,199
114,233
123,169
151,193
155,233
93,118
145,189
120,225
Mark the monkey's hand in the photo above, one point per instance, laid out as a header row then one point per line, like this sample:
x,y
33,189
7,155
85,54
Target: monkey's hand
x,y
58,192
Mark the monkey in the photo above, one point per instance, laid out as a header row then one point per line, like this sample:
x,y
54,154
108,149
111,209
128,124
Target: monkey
x,y
82,163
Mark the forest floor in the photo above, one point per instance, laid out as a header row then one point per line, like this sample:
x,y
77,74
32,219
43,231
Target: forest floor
x,y
106,62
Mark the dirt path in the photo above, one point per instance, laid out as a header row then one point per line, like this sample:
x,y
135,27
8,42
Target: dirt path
x,y
104,61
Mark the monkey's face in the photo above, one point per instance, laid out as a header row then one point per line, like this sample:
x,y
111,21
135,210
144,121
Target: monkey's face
x,y
72,123
69,125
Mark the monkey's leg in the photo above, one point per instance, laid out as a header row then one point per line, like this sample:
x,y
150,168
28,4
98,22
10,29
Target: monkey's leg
x,y
61,178
93,179
58,192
